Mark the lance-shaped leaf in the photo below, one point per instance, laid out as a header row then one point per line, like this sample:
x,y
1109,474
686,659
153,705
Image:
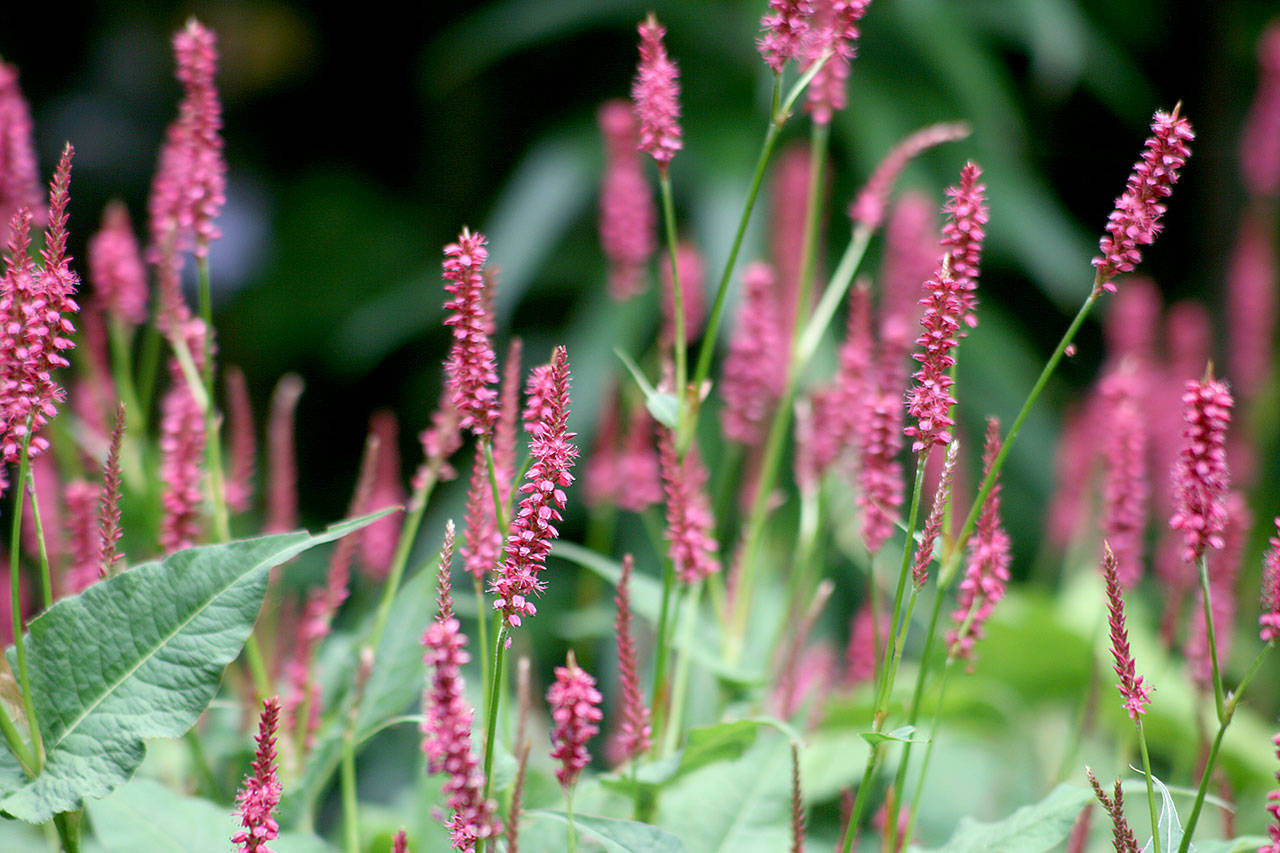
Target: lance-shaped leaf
x,y
139,655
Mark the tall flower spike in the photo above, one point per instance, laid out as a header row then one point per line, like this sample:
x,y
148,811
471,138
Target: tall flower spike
x,y
532,530
786,25
841,408
1251,299
879,472
929,400
1201,477
1122,835
937,514
835,30
1273,807
260,792
1125,486
19,176
378,540
109,530
754,371
115,267
400,842
79,496
189,189
987,572
633,737
1260,141
243,442
1135,222
628,218
690,525
1136,697
446,724
962,236
482,541
869,207
1270,618
282,459
575,711
471,370
182,445
656,95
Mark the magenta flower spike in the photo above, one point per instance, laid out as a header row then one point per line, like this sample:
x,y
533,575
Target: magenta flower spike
x,y
785,25
1201,477
189,188
1131,327
116,269
400,842
929,400
1122,835
754,371
1136,697
1251,300
880,485
937,514
182,446
79,496
260,791
482,541
835,29
1135,222
634,732
446,725
439,442
962,236
504,431
910,253
19,175
692,281
987,572
243,442
1273,807
575,711
282,461
842,408
789,197
628,217
656,95
471,370
1125,487
109,530
638,471
378,540
1260,141
690,524
868,208
865,643
1270,618
533,528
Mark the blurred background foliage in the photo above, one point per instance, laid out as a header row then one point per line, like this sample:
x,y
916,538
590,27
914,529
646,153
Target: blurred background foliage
x,y
361,139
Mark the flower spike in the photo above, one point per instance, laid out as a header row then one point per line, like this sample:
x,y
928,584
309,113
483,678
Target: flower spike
x,y
260,793
1201,477
471,371
1136,696
656,94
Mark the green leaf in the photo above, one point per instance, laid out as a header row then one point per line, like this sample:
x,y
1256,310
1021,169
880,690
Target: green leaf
x,y
617,836
145,815
904,734
1170,826
664,407
140,655
1031,829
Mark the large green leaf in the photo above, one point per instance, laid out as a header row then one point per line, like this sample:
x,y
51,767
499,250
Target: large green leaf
x,y
1031,829
145,815
616,836
139,655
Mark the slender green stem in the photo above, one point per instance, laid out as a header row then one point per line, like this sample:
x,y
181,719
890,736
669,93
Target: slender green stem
x,y
213,451
953,561
46,581
15,601
677,289
16,746
661,704
491,706
1202,565
121,342
928,754
148,367
1151,792
200,762
859,800
834,294
819,141
893,651
499,508
350,810
68,826
257,668
482,629
573,838
676,718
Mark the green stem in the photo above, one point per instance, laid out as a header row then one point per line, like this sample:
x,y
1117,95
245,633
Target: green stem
x,y
893,651
573,838
1151,793
491,706
663,651
148,367
953,561
1202,565
928,753
676,718
213,451
859,801
15,602
350,812
669,220
46,581
68,826
499,508
16,745
482,629
204,774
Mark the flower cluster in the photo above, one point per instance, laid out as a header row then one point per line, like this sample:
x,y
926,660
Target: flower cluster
x,y
1201,478
532,530
786,25
182,445
1122,835
628,219
880,472
930,400
987,572
633,737
1270,618
260,793
115,267
937,514
835,30
656,94
963,233
471,370
754,370
1135,221
575,710
19,175
690,525
1125,485
1136,697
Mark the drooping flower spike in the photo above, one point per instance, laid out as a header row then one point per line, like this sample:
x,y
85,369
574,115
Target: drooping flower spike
x,y
868,209
656,94
1135,222
1136,696
471,370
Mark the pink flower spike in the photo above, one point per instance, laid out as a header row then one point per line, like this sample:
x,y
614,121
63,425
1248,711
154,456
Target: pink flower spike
x,y
533,528
482,541
628,217
1270,618
879,472
1136,697
1251,299
987,572
109,530
933,526
962,236
400,842
690,525
115,267
378,540
786,25
239,487
868,209
282,462
692,274
1273,807
754,371
471,370
79,496
638,472
260,792
439,442
1260,141
929,400
182,446
1125,487
634,733
575,710
835,30
1135,222
1201,477
19,175
656,95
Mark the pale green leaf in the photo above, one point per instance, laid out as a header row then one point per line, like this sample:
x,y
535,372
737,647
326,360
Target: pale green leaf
x,y
616,836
